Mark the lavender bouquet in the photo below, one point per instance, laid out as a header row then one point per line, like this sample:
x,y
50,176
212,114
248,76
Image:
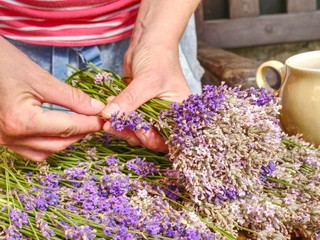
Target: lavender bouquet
x,y
228,147
230,170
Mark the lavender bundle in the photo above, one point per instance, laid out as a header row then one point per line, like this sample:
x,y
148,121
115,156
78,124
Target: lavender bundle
x,y
101,84
288,207
224,141
100,189
211,127
230,169
102,192
228,148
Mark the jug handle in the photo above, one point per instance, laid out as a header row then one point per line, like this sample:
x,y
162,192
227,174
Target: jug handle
x,y
261,80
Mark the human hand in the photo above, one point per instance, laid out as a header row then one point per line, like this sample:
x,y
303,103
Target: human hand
x,y
24,126
152,65
151,70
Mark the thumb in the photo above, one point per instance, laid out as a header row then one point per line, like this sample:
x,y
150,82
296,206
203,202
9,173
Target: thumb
x,y
132,97
62,94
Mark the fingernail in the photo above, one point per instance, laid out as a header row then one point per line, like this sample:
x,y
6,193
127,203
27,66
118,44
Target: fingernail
x,y
110,109
96,104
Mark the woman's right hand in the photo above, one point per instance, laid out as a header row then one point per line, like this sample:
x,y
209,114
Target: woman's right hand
x,y
25,127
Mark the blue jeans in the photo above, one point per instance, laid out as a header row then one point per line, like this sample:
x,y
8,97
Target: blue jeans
x,y
110,56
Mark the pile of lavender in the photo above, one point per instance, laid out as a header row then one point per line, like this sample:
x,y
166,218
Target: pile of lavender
x,y
230,172
227,146
97,189
224,142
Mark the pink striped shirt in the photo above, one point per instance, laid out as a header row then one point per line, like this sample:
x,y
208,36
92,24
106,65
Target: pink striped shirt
x,y
67,22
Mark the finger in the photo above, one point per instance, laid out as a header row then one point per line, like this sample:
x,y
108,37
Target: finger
x,y
53,123
109,99
127,65
128,100
126,134
59,93
33,155
152,140
66,125
46,144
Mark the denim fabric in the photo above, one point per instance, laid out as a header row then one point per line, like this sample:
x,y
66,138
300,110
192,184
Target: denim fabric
x,y
110,56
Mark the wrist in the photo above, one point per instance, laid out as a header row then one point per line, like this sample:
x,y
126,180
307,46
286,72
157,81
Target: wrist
x,y
163,22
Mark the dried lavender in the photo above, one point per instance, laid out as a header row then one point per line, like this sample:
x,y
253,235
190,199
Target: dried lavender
x,y
133,121
102,84
226,142
223,140
97,199
42,224
141,166
18,217
289,206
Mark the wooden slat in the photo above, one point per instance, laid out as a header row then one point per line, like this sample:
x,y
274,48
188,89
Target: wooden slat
x,y
224,66
294,6
243,8
265,29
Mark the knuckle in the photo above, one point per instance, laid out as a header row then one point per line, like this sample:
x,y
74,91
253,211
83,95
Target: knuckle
x,y
69,131
13,126
129,96
133,142
77,96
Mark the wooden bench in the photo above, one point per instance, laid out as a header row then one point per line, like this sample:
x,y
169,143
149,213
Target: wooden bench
x,y
246,26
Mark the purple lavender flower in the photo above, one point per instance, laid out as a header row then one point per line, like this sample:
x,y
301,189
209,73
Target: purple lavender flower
x,y
28,176
154,226
107,231
170,192
133,121
123,234
18,218
13,233
119,212
112,161
267,170
106,139
102,77
80,232
46,231
261,96
28,203
115,184
78,173
50,180
71,148
98,79
91,151
141,166
107,200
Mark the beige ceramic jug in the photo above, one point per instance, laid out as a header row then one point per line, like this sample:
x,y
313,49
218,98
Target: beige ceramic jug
x,y
299,92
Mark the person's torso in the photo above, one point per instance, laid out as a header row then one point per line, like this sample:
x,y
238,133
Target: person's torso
x,y
67,22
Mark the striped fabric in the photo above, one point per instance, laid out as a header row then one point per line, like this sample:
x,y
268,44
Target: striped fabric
x,y
67,22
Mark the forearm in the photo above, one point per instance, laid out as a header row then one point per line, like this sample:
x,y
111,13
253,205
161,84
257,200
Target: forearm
x,y
163,21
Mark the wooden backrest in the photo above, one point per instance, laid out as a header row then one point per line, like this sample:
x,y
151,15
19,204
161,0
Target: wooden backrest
x,y
245,26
